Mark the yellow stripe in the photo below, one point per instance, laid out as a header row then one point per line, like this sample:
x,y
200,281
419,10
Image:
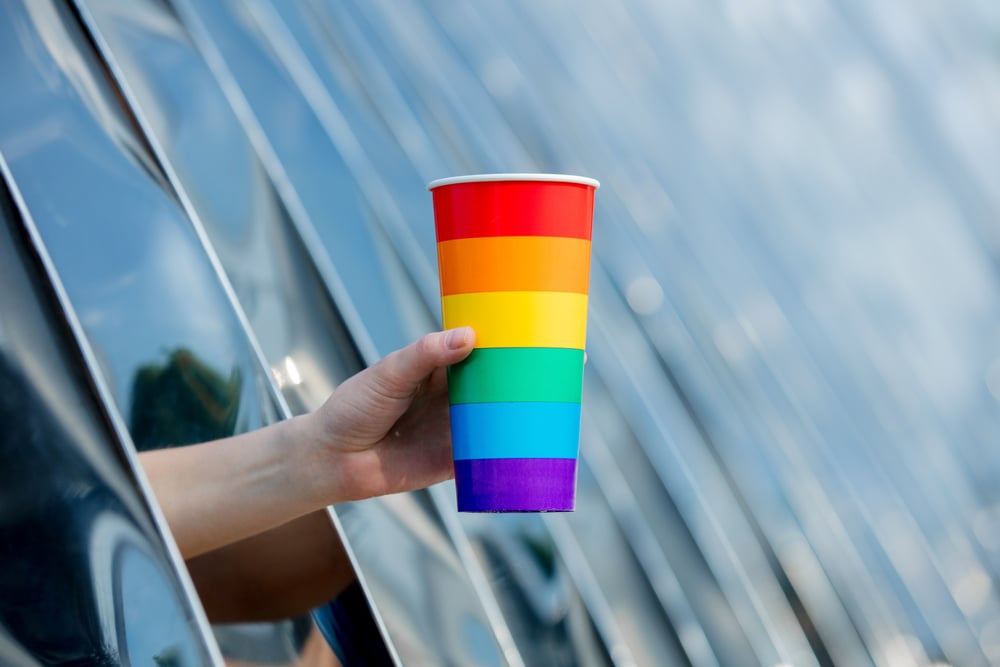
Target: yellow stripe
x,y
520,319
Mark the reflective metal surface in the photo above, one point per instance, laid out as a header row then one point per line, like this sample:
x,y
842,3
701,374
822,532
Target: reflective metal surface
x,y
695,279
257,225
167,340
748,285
255,50
791,398
63,118
227,193
85,576
332,23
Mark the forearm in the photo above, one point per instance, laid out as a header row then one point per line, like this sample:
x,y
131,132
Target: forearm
x,y
246,511
217,493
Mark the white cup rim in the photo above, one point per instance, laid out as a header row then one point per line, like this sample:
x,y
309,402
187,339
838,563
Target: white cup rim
x,y
479,178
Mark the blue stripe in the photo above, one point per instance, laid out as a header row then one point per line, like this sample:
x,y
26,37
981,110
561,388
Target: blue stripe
x,y
515,430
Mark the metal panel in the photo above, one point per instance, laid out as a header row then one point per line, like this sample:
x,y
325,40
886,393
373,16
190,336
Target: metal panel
x,y
168,343
254,69
346,60
256,226
790,404
86,576
765,245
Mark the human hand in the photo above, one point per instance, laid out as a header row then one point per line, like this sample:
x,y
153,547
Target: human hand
x,y
386,429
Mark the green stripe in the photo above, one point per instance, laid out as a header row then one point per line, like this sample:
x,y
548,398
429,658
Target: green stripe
x,y
511,374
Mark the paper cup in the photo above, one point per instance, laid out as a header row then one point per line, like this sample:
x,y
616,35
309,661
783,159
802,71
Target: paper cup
x,y
514,264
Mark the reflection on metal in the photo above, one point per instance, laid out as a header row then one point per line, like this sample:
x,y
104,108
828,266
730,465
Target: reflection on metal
x,y
657,617
792,383
191,375
247,61
254,234
271,29
86,575
64,117
226,193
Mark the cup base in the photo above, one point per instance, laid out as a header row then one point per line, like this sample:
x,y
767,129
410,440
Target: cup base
x,y
516,485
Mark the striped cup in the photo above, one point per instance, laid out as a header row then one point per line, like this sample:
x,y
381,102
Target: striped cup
x,y
514,263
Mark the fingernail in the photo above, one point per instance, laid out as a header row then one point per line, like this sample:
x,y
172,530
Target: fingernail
x,y
456,338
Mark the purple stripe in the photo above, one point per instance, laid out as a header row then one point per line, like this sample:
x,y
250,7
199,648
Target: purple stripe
x,y
516,485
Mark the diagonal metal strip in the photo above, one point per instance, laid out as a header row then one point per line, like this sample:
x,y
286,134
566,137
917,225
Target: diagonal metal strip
x,y
84,111
110,413
443,61
367,564
271,22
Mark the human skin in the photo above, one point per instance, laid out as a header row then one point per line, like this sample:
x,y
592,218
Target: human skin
x,y
251,507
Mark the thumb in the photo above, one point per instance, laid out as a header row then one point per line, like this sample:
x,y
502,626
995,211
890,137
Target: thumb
x,y
401,372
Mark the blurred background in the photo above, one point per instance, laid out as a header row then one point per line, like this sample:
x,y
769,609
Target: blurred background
x,y
790,450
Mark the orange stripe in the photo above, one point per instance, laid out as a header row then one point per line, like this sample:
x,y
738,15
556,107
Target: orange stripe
x,y
514,264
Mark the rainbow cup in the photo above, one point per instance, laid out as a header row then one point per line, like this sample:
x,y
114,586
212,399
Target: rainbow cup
x,y
514,262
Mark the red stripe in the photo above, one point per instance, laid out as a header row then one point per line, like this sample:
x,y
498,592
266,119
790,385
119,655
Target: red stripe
x,y
513,208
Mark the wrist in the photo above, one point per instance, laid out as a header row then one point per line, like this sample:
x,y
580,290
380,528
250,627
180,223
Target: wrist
x,y
312,469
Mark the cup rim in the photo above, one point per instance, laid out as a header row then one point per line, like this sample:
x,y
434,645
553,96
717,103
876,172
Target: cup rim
x,y
479,178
